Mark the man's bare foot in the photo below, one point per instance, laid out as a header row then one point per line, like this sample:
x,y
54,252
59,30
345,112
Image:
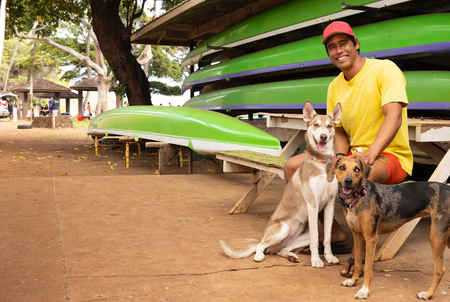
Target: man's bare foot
x,y
336,237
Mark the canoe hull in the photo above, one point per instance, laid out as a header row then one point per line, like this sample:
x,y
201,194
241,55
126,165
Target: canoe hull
x,y
427,90
201,130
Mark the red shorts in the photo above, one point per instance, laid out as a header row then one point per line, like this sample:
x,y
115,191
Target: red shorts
x,y
395,172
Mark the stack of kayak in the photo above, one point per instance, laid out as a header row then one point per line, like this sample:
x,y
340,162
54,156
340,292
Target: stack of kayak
x,y
280,78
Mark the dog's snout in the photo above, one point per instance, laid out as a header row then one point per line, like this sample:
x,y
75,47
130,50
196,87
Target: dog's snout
x,y
348,180
323,137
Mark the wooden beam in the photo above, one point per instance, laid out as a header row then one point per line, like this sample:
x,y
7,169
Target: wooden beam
x,y
167,42
233,17
164,18
261,179
160,37
177,34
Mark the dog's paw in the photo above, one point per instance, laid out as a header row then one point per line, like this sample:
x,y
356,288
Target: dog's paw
x,y
293,258
347,283
331,259
423,296
317,263
363,293
259,257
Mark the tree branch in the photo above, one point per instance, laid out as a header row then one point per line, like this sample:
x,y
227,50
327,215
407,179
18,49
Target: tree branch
x,y
146,55
70,51
170,49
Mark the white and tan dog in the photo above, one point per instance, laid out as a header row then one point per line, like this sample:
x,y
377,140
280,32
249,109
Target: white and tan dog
x,y
306,194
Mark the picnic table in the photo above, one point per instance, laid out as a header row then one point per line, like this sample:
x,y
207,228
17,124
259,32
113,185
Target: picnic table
x,y
423,133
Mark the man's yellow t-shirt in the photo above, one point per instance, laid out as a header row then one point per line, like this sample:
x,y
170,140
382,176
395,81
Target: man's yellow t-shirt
x,y
378,83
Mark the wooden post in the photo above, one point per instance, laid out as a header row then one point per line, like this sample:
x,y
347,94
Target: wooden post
x,y
190,161
68,106
25,105
261,179
127,154
80,102
180,158
96,145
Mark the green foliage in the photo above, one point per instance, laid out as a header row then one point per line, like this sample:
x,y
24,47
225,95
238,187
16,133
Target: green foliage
x,y
119,87
44,61
61,16
161,88
163,65
168,4
25,13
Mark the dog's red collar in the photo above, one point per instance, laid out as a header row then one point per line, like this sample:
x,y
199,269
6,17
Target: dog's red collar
x,y
321,161
360,193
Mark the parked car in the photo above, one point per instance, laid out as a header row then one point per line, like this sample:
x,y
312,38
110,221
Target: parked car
x,y
4,109
4,104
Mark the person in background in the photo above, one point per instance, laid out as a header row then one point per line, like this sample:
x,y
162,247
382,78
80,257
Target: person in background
x,y
45,110
55,107
50,105
10,109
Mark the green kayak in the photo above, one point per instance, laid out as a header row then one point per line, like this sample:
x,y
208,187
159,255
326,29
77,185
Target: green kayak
x,y
283,18
427,90
398,37
201,130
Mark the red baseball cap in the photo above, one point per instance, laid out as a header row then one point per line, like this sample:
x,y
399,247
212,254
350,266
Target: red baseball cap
x,y
337,27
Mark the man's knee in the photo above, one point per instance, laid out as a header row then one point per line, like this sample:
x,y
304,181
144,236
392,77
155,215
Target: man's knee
x,y
379,173
293,164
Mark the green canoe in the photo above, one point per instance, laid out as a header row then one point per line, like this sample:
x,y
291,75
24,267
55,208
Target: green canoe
x,y
383,39
427,90
201,130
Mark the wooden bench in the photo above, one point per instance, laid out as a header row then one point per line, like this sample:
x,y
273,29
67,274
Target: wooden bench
x,y
128,140
254,160
166,152
265,168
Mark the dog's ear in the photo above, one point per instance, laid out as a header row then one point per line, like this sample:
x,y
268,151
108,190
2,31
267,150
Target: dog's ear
x,y
366,172
330,168
308,112
336,114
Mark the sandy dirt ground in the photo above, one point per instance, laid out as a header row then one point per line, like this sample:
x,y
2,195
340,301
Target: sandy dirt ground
x,y
76,227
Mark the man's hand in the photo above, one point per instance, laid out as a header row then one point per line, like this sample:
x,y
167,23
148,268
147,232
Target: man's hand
x,y
365,157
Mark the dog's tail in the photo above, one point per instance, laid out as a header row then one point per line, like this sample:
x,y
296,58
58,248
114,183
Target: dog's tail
x,y
238,253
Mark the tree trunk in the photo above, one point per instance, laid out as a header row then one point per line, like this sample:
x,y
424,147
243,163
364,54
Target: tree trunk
x,y
33,50
2,28
88,69
103,84
116,47
10,65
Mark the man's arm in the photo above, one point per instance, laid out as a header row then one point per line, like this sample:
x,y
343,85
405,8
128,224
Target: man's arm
x,y
386,134
341,144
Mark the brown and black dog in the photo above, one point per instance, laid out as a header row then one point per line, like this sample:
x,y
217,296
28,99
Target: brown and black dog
x,y
372,209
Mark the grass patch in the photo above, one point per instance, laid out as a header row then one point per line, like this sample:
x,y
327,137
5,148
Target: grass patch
x,y
82,124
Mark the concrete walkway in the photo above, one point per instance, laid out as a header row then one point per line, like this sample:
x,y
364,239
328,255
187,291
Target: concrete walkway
x,y
156,238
